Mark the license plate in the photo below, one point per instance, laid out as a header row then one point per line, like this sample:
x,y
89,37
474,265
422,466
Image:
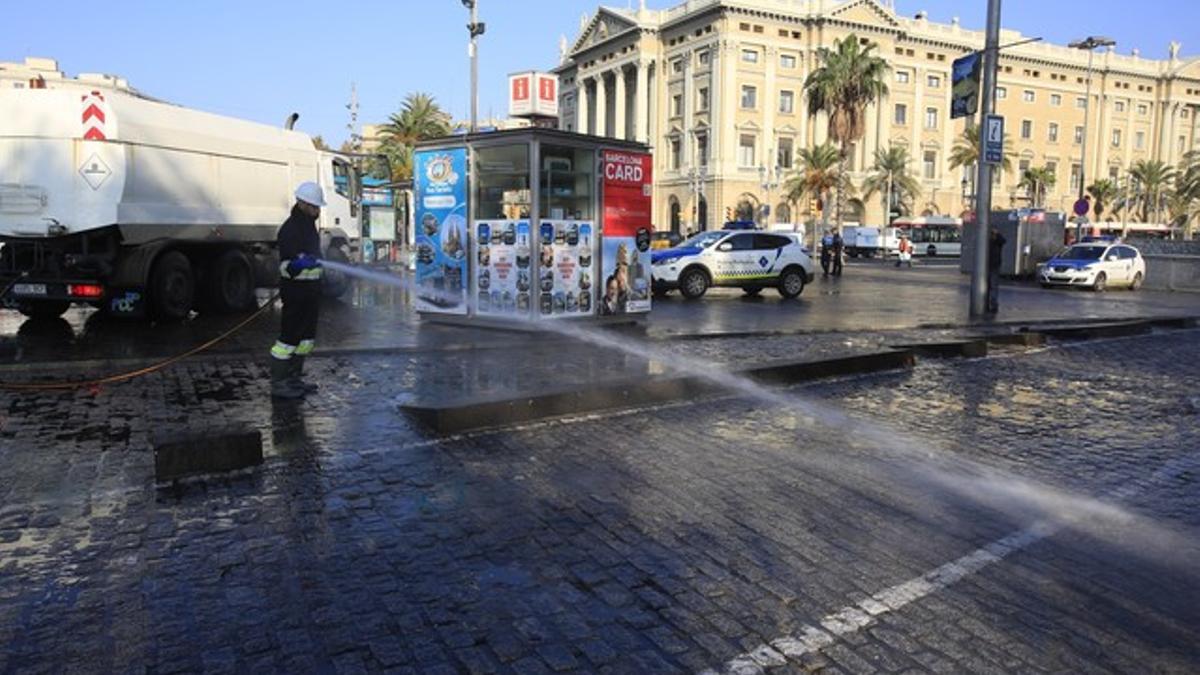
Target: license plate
x,y
29,289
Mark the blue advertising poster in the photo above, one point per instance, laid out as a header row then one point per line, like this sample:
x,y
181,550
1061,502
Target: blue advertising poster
x,y
441,220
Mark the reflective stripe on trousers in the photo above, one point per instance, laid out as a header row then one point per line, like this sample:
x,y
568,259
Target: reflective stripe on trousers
x,y
284,351
304,348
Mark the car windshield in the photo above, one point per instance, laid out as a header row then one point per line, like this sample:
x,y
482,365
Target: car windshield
x,y
704,240
1082,253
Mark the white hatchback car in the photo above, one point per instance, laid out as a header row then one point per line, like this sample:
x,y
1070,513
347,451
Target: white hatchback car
x,y
1095,265
751,260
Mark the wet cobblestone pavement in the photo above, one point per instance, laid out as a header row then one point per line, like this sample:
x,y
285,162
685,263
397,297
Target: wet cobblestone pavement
x,y
684,537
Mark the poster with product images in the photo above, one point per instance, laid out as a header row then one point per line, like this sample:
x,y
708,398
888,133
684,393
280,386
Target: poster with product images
x,y
440,210
503,283
566,268
628,188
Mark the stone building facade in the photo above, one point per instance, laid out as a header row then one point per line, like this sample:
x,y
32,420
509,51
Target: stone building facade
x,y
716,88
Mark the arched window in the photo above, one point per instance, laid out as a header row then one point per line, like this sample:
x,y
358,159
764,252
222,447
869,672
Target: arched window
x,y
783,213
675,216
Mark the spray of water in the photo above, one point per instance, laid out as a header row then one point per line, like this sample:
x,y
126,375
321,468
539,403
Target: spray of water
x,y
921,459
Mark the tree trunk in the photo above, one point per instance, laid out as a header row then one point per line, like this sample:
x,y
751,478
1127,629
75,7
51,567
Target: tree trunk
x,y
841,179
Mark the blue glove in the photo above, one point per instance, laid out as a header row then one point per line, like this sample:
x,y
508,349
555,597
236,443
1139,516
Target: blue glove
x,y
301,263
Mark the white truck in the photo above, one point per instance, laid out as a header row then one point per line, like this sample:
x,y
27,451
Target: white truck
x,y
143,208
868,241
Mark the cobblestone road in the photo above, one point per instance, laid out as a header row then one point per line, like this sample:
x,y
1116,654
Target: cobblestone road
x,y
701,535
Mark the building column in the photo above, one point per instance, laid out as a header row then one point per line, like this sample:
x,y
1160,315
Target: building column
x,y
581,105
728,98
619,104
601,104
770,103
687,113
641,122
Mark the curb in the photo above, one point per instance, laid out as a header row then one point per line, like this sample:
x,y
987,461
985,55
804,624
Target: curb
x,y
483,413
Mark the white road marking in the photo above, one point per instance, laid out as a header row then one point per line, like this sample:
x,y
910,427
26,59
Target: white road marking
x,y
854,618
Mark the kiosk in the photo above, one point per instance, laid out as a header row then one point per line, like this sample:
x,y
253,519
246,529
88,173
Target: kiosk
x,y
532,224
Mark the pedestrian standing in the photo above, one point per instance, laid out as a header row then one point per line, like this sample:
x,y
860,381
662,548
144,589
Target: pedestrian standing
x,y
904,251
839,248
299,246
995,254
826,251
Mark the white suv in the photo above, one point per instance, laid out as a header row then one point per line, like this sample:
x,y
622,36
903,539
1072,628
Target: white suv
x,y
750,260
1095,265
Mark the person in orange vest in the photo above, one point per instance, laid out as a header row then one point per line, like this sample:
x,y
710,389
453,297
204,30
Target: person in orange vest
x,y
904,251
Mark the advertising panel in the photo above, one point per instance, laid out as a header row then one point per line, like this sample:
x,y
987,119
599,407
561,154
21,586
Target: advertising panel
x,y
441,223
964,82
566,276
381,223
503,268
628,188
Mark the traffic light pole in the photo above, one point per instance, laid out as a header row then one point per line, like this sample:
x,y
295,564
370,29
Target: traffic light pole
x,y
983,182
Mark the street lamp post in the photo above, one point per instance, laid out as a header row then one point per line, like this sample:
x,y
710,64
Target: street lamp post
x,y
696,178
475,29
1090,44
768,179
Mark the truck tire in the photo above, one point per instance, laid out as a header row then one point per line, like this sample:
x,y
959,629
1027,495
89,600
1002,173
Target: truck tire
x,y
43,309
229,286
172,287
334,284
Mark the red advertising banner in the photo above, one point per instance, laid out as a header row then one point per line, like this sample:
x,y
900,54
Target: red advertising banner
x,y
628,181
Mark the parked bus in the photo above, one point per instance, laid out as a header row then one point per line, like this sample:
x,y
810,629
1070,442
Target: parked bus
x,y
933,235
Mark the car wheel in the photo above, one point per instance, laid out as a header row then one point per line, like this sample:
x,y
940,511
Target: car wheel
x,y
693,284
931,251
1101,283
752,290
791,282
172,287
1137,282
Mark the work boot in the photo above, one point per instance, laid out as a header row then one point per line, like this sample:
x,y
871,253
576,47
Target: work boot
x,y
283,384
298,376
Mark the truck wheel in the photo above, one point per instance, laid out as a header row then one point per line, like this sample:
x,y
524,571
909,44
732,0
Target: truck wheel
x,y
791,282
693,284
230,283
172,287
43,309
334,284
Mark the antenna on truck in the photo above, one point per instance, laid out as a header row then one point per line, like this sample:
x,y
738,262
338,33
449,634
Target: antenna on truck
x,y
290,122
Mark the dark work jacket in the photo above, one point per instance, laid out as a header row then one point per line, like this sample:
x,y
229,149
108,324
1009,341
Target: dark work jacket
x,y
995,248
297,235
838,244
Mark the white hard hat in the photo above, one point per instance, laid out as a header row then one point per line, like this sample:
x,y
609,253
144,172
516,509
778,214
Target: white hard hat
x,y
311,193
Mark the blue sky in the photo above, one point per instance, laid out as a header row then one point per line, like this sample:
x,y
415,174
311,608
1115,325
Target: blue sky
x,y
261,59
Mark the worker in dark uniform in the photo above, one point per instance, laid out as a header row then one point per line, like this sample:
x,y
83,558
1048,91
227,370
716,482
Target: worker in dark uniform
x,y
839,249
300,289
996,243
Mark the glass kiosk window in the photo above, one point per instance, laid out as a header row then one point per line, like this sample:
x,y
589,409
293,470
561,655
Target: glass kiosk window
x,y
567,181
502,182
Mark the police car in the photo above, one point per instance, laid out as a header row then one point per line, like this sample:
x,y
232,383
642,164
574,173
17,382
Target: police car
x,y
750,260
1096,265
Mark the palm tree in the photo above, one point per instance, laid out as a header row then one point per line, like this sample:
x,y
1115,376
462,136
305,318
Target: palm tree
x,y
891,176
819,172
1037,182
1153,180
1187,190
966,150
1103,192
418,119
850,78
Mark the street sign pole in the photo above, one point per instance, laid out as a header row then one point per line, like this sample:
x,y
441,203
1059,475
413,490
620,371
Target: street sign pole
x,y
983,183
